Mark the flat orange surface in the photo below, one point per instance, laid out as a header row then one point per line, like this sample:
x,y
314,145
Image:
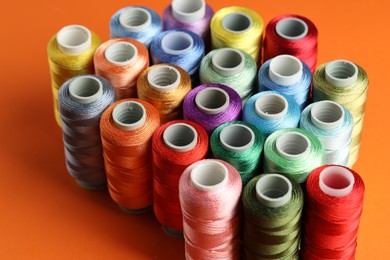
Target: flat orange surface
x,y
45,215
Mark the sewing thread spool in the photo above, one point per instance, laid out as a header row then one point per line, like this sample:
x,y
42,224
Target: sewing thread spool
x,y
346,83
209,192
289,75
82,100
231,67
332,124
127,127
270,111
294,35
121,61
273,207
211,105
237,27
241,145
334,205
293,152
165,87
176,145
136,22
70,53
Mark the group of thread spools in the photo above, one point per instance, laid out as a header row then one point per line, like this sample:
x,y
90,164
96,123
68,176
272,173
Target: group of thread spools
x,y
279,132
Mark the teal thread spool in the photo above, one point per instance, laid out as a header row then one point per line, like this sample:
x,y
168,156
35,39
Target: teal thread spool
x,y
241,145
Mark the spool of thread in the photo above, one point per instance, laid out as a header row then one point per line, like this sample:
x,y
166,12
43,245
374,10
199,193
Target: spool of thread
x,y
211,105
231,67
293,152
237,27
272,217
209,193
121,61
82,100
191,15
270,111
332,124
70,53
239,144
176,145
346,83
289,75
294,35
127,127
136,22
334,205
165,87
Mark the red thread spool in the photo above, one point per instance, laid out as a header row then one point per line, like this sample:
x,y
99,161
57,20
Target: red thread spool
x,y
127,127
121,61
333,208
292,34
176,145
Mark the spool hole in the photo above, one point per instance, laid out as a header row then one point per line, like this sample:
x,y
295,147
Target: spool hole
x,y
292,145
327,114
135,19
121,53
237,22
291,28
237,137
271,106
85,89
273,190
164,78
336,181
180,137
212,100
177,43
74,39
341,73
129,115
285,70
228,61
209,175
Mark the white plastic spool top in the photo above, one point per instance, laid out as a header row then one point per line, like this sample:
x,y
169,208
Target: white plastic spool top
x,y
293,145
177,43
164,78
336,181
228,61
341,73
209,175
273,190
271,106
188,11
327,114
180,137
74,39
291,28
129,115
237,138
237,22
85,89
121,53
135,19
212,100
285,70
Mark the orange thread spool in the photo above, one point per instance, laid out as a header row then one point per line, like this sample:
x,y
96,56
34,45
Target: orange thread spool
x,y
127,127
121,61
165,87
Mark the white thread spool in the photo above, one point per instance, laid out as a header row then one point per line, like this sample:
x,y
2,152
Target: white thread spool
x,y
271,106
237,22
341,73
228,61
85,89
121,53
209,175
212,100
292,28
180,137
336,181
74,39
129,115
327,114
177,43
135,19
293,145
237,138
164,78
188,11
273,190
285,70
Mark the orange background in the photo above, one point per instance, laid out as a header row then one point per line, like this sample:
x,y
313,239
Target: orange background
x,y
45,215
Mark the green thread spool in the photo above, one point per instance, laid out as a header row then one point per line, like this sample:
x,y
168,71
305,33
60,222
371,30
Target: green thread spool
x,y
294,152
241,145
272,215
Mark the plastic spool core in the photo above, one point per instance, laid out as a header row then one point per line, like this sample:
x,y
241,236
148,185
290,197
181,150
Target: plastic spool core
x,y
85,89
129,115
135,19
212,100
237,22
188,11
336,181
121,53
180,137
293,145
163,78
271,106
177,43
327,114
341,73
237,138
292,28
285,70
228,61
74,39
209,175
273,190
